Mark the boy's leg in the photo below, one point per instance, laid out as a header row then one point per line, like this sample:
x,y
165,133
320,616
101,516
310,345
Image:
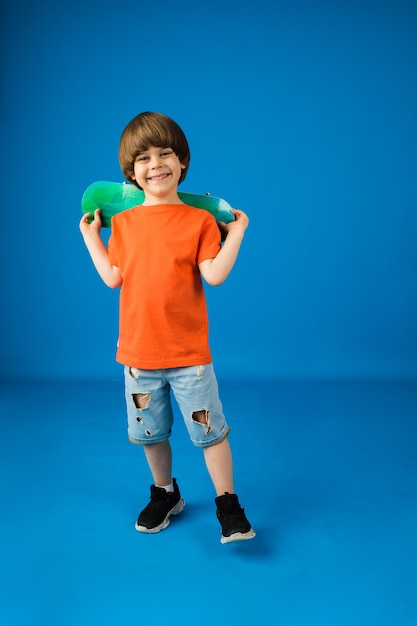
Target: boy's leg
x,y
150,421
155,516
159,458
196,391
231,515
219,464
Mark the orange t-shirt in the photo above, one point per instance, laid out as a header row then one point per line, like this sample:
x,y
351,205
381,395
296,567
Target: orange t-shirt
x,y
163,313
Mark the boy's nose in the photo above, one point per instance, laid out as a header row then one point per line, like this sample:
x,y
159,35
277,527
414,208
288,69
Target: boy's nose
x,y
155,162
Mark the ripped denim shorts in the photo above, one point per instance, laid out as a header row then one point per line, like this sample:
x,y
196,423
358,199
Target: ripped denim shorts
x,y
149,409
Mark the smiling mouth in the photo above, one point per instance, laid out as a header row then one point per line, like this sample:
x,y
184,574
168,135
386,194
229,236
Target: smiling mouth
x,y
158,177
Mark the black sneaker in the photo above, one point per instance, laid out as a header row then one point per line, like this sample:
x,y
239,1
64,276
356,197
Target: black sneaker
x,y
155,516
231,515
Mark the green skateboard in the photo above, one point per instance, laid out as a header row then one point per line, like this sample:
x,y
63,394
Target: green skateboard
x,y
112,198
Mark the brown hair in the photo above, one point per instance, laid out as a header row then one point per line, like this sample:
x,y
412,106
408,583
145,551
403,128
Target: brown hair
x,y
148,130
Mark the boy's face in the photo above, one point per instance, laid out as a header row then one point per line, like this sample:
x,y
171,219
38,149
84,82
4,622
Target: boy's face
x,y
157,171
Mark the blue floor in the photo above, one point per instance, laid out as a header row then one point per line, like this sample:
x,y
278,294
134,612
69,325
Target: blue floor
x,y
327,473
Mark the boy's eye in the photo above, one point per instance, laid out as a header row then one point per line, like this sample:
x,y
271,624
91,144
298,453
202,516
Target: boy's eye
x,y
165,152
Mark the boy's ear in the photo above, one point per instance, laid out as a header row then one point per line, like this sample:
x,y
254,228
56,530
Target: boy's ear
x,y
183,166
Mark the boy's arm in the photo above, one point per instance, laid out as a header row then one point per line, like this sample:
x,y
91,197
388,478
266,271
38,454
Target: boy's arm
x,y
216,270
109,273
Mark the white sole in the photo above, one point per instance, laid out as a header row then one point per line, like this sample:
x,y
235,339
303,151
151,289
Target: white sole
x,y
174,511
238,536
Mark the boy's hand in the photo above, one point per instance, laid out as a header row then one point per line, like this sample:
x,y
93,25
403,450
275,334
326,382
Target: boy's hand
x,y
241,222
93,227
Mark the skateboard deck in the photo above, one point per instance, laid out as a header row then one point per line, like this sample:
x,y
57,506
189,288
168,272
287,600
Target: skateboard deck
x,y
112,198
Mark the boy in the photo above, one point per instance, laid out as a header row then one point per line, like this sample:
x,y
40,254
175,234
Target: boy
x,y
157,253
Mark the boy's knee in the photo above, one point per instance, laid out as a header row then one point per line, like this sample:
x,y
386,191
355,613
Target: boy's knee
x,y
202,416
141,400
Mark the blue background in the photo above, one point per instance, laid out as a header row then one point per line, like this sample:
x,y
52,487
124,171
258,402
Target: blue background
x,y
303,114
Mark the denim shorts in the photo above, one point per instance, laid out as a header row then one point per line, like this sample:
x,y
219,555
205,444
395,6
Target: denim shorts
x,y
149,409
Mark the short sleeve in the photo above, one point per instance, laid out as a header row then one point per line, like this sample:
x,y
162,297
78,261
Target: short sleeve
x,y
210,239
